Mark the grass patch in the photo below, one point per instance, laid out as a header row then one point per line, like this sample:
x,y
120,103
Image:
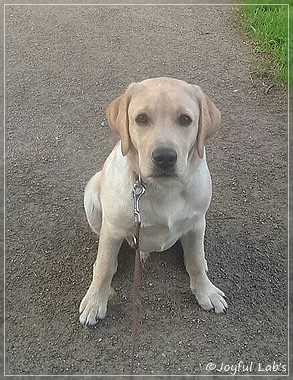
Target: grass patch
x,y
268,25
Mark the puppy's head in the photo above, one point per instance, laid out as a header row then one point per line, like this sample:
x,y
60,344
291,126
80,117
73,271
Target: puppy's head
x,y
163,123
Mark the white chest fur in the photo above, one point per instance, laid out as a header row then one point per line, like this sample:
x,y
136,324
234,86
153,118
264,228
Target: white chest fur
x,y
169,212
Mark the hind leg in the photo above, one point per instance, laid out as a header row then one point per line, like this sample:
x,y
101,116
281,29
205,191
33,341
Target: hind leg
x,y
92,203
143,258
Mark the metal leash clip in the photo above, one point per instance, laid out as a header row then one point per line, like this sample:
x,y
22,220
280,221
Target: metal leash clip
x,y
137,192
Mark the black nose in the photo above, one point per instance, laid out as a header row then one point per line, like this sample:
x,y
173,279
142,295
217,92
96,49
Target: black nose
x,y
164,158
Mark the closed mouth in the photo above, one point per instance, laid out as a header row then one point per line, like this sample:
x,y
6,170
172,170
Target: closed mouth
x,y
164,175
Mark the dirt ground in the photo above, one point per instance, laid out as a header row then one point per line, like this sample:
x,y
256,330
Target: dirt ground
x,y
64,64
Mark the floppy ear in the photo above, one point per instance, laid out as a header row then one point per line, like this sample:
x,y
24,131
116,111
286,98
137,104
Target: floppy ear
x,y
117,115
209,120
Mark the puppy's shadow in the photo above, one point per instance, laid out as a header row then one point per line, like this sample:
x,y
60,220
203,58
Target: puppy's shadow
x,y
171,259
162,270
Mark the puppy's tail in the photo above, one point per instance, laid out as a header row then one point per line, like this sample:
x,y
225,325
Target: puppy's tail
x,y
92,203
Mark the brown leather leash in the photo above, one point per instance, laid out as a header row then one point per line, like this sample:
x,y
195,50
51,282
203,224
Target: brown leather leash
x,y
137,192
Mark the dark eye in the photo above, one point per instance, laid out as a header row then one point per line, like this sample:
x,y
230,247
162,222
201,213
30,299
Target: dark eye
x,y
142,119
184,120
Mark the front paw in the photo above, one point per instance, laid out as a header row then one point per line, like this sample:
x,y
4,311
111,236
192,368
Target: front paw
x,y
210,297
93,306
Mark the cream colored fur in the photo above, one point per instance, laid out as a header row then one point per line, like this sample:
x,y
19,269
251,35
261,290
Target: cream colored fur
x,y
174,206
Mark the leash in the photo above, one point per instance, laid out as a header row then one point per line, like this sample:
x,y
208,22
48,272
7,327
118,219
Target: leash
x,y
137,192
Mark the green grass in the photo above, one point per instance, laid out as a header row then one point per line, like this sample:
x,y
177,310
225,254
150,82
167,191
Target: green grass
x,y
268,25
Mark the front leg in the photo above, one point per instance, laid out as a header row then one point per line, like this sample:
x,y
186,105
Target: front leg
x,y
94,303
207,294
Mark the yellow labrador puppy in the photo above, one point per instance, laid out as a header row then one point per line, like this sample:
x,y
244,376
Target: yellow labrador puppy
x,y
163,125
